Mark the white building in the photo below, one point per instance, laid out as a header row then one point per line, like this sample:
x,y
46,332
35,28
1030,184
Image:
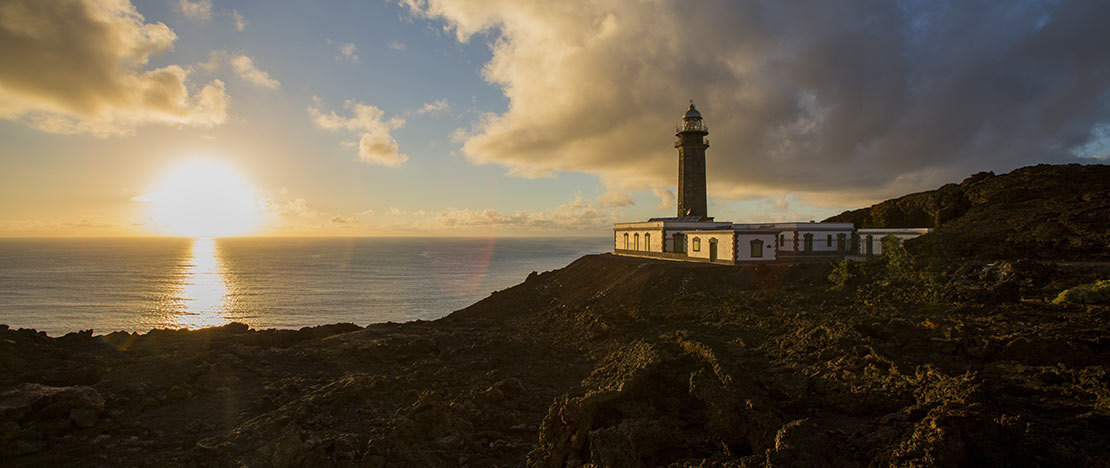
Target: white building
x,y
871,240
731,245
808,239
659,235
694,236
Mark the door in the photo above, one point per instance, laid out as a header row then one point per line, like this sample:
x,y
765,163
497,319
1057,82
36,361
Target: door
x,y
712,250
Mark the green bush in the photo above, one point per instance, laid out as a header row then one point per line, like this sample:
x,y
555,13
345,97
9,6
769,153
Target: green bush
x,y
895,277
1092,293
900,265
843,278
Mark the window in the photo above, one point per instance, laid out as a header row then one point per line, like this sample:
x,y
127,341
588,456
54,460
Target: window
x,y
697,244
828,240
626,241
647,242
636,237
782,240
808,242
757,248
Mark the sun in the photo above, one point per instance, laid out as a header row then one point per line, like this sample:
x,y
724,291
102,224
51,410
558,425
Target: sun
x,y
203,198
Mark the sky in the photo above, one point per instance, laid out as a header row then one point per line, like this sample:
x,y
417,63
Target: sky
x,y
526,117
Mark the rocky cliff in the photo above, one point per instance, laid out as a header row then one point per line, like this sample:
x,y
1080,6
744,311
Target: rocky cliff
x,y
1057,212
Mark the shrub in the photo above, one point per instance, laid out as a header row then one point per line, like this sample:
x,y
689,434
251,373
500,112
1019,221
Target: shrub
x,y
847,276
841,276
896,277
1092,293
900,265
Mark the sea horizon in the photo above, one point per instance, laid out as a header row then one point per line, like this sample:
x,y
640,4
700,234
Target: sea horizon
x,y
61,285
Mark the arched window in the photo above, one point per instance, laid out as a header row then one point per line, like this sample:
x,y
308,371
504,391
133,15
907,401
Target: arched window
x,y
626,241
647,242
828,240
757,248
696,244
636,238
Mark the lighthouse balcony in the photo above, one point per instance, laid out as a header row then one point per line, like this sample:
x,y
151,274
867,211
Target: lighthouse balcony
x,y
678,141
691,126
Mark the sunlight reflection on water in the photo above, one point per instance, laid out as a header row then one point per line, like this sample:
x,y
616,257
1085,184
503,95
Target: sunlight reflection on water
x,y
135,285
204,292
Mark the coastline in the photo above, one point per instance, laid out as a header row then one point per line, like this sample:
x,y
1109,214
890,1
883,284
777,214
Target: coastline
x,y
610,360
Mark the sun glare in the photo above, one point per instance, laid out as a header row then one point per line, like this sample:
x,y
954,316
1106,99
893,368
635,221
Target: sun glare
x,y
203,199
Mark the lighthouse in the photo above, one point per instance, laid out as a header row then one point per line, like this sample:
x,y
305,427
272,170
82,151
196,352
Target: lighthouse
x,y
694,236
691,144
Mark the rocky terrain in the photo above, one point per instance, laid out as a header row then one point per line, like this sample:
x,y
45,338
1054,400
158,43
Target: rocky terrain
x,y
610,361
616,361
1051,212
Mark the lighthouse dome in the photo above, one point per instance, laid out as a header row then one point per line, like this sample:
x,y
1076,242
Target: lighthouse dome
x,y
692,113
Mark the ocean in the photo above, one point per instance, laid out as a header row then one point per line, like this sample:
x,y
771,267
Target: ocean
x,y
66,285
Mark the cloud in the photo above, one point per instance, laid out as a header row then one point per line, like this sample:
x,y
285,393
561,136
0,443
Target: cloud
x,y
294,208
615,198
397,45
198,10
347,50
240,22
342,220
366,213
666,198
243,66
780,203
86,224
800,96
81,69
576,214
375,145
435,107
394,211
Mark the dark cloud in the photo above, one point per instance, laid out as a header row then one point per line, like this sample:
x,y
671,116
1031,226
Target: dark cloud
x,y
867,97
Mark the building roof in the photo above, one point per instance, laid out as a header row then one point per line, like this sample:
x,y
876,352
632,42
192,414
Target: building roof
x,y
797,226
679,219
895,230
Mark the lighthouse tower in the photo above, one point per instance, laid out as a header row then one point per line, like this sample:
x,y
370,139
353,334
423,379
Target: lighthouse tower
x,y
691,144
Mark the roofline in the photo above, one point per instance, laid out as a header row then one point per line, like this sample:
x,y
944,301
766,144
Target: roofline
x,y
713,231
798,225
895,230
678,225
